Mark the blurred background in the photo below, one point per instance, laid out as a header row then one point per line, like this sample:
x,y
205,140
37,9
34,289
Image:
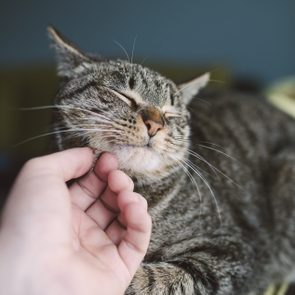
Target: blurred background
x,y
247,46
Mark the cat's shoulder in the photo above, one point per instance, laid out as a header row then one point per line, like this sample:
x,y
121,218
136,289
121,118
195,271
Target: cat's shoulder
x,y
210,102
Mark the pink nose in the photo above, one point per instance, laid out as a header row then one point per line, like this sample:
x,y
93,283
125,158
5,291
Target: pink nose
x,y
152,119
153,127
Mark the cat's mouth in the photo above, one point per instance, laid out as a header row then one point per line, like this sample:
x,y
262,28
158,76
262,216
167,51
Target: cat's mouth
x,y
147,144
142,157
136,146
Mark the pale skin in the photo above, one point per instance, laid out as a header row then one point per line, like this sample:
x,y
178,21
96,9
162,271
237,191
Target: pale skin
x,y
88,238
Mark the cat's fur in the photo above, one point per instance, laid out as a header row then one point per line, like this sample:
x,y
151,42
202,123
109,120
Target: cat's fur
x,y
223,215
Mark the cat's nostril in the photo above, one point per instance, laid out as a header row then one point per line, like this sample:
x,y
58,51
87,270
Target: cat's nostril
x,y
148,125
153,127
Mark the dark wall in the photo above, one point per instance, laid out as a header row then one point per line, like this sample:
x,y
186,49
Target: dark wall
x,y
253,38
237,39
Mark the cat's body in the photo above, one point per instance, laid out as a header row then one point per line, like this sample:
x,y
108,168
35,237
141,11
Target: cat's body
x,y
224,225
252,242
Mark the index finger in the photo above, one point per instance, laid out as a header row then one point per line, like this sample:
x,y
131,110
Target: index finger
x,y
40,187
68,164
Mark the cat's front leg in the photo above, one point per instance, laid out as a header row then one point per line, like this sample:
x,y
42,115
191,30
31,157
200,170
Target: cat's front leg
x,y
161,278
225,270
179,277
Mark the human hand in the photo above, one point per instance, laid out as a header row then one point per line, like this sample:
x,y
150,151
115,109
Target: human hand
x,y
88,238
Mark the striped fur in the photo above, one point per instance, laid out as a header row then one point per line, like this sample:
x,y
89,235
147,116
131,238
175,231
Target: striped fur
x,y
220,180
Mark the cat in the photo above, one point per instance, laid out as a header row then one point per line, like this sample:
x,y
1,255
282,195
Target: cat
x,y
219,179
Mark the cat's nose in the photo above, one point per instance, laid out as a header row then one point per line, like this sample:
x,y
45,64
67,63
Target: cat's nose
x,y
153,120
153,127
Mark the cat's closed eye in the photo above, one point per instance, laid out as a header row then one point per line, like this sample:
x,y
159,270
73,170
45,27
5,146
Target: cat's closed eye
x,y
169,115
126,98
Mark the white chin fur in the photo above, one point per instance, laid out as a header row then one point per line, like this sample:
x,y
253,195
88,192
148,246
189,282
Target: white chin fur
x,y
137,159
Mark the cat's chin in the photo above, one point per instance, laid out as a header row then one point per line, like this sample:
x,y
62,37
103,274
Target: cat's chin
x,y
142,160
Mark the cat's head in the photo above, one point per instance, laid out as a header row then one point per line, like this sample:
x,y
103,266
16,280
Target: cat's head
x,y
124,108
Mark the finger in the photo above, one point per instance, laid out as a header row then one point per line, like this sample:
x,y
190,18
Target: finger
x,y
87,234
118,181
100,214
105,209
106,163
94,240
117,228
68,164
134,245
127,197
116,231
85,191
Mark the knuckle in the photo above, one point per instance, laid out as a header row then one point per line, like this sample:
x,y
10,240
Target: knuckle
x,y
38,166
130,182
32,164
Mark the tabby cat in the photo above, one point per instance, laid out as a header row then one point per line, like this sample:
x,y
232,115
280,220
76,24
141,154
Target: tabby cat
x,y
219,180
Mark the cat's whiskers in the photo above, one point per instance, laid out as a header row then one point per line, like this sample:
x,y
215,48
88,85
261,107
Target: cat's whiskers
x,y
182,88
98,122
165,152
90,124
65,107
213,144
133,48
180,138
190,176
98,118
219,151
199,174
92,129
132,55
186,162
198,98
143,60
97,115
63,131
112,123
110,138
87,123
124,50
95,123
199,157
217,81
212,167
176,149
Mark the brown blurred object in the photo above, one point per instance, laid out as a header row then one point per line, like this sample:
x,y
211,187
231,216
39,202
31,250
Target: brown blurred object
x,y
25,87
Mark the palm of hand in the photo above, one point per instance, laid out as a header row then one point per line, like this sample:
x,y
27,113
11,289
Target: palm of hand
x,y
94,233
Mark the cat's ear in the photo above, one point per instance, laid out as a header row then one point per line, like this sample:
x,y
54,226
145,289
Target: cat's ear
x,y
189,89
69,57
